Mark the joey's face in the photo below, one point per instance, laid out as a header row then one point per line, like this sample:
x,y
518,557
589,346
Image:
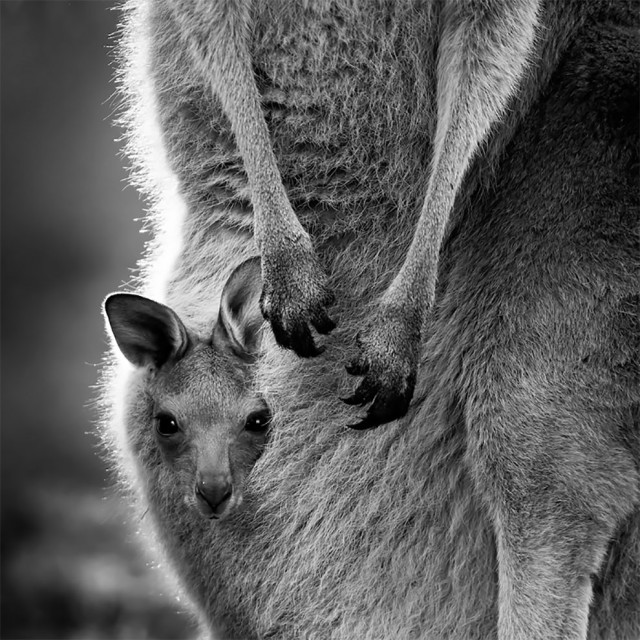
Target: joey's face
x,y
195,405
210,428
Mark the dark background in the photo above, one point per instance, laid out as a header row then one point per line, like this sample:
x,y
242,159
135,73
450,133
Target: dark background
x,y
71,566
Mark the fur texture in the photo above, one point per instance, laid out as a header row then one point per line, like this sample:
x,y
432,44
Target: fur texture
x,y
209,422
483,51
506,502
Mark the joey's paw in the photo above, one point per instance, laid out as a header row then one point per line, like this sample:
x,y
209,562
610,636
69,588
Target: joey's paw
x,y
388,360
295,298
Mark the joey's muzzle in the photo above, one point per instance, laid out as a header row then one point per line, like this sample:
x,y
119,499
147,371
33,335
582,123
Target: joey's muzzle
x,y
213,494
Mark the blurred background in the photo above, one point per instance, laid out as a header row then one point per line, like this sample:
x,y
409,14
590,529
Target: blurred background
x,y
71,565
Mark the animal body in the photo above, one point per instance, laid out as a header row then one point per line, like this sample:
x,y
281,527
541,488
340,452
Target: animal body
x,y
505,503
482,54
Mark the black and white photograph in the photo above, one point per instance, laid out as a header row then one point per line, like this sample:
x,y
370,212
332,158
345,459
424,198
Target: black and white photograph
x,y
320,319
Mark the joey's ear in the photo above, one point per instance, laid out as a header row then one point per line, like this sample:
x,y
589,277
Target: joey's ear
x,y
146,332
240,318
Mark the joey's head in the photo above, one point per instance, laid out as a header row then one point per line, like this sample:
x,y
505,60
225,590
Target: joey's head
x,y
207,422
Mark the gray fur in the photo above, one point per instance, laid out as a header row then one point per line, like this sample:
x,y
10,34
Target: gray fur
x,y
483,52
505,503
194,393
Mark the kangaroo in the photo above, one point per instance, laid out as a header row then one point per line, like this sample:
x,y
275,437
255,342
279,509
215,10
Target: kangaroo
x,y
483,52
505,503
210,427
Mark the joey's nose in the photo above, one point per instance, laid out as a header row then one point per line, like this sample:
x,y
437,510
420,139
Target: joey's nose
x,y
213,492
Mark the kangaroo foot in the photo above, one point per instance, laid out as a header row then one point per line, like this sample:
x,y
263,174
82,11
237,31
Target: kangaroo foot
x,y
388,360
294,296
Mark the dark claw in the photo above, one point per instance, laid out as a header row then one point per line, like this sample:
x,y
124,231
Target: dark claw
x,y
365,392
283,338
386,407
363,425
298,339
297,336
322,322
375,418
303,343
357,367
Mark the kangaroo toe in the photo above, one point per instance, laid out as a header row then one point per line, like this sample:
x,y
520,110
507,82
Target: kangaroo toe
x,y
387,358
297,338
294,300
388,405
364,393
322,322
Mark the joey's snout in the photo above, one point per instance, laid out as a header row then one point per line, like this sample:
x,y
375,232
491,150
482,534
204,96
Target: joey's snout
x,y
214,493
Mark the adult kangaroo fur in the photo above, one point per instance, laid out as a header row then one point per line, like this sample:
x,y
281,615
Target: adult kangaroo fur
x,y
505,503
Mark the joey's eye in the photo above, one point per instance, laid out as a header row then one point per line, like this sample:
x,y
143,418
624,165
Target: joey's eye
x,y
258,421
166,425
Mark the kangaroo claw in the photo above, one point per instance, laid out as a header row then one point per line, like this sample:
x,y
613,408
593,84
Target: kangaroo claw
x,y
388,362
298,339
294,299
357,368
386,407
321,321
364,393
